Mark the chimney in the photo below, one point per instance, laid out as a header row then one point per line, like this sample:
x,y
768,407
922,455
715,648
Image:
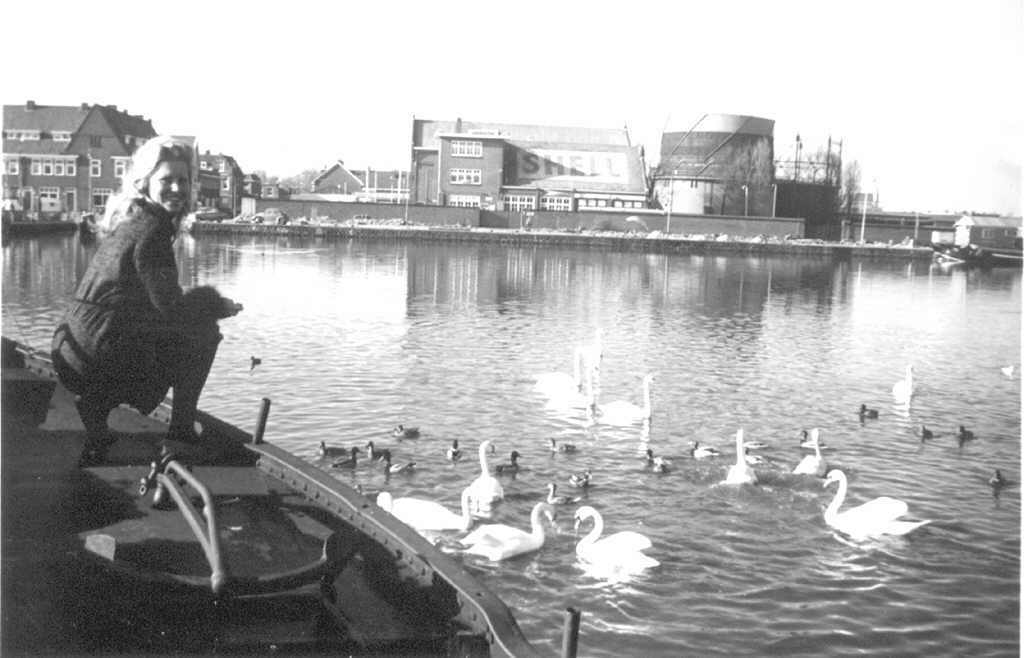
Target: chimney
x,y
85,106
30,105
458,125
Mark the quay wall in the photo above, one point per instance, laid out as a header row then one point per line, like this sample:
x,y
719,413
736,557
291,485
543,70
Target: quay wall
x,y
652,243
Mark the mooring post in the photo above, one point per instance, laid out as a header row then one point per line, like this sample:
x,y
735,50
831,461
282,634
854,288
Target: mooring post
x,y
570,632
261,424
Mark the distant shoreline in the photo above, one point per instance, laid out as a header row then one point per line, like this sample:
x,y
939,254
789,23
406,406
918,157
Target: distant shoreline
x,y
654,242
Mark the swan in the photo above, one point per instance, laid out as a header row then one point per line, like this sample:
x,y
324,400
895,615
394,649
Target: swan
x,y
580,480
485,490
812,464
421,514
866,412
621,412
657,464
703,452
963,435
560,384
740,472
497,541
556,499
403,432
621,551
511,467
562,447
454,454
873,518
904,389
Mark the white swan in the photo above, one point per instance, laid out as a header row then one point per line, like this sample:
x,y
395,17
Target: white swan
x,y
620,412
904,389
560,384
497,541
421,514
812,464
485,490
741,472
619,552
703,452
873,518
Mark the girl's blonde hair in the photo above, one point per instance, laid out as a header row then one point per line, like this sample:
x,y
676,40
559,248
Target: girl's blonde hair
x,y
135,181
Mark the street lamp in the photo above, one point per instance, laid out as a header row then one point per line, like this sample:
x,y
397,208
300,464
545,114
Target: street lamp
x,y
746,200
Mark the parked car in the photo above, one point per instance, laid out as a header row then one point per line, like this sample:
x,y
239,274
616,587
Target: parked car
x,y
275,216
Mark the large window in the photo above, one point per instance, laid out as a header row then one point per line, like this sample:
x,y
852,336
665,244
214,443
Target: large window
x,y
464,176
465,148
520,202
61,136
99,198
464,200
561,203
22,135
96,141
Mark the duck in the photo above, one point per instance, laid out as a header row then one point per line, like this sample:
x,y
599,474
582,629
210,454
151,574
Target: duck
x,y
740,472
997,481
963,435
904,389
924,433
874,518
485,490
394,469
376,454
562,447
812,464
557,499
348,462
426,515
620,412
619,552
253,362
809,442
497,541
511,467
325,450
580,480
454,454
753,460
703,452
657,464
403,432
563,385
866,412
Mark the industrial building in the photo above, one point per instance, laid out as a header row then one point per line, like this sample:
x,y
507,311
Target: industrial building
x,y
517,167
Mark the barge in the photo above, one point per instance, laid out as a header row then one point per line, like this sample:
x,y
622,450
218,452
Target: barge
x,y
255,552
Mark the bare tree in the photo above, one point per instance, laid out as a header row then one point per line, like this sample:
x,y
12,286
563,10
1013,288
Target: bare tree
x,y
749,166
850,188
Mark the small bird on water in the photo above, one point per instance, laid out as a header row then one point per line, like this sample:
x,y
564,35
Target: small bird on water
x,y
253,362
403,432
866,412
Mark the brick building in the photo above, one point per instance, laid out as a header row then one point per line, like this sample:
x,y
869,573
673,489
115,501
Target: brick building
x,y
62,160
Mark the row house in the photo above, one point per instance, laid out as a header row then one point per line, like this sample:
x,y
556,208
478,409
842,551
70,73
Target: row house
x,y
60,160
230,179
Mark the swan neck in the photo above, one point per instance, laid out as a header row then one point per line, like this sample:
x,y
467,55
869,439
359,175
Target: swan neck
x,y
484,468
467,516
833,509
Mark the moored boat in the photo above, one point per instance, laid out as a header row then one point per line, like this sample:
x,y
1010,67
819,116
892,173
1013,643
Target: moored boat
x,y
256,551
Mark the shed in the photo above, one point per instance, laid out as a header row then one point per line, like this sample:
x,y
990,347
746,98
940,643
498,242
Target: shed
x,y
988,232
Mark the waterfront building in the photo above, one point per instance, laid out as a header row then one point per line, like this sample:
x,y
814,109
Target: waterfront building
x,y
229,176
989,232
521,167
62,160
336,179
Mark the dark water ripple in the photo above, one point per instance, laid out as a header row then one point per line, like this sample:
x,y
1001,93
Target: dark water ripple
x,y
358,337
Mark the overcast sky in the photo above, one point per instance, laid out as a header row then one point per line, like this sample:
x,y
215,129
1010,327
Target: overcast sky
x,y
926,96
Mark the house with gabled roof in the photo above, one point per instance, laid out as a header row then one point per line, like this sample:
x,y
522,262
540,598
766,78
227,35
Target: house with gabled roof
x,y
62,160
336,179
525,167
230,176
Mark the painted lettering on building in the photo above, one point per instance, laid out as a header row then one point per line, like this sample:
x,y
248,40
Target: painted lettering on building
x,y
594,166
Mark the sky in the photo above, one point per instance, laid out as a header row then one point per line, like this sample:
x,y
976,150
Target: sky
x,y
925,96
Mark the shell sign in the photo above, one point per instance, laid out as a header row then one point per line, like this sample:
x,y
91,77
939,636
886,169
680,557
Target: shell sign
x,y
593,166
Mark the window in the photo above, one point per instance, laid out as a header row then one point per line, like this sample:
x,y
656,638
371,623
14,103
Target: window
x,y
95,168
70,168
562,203
22,135
204,165
99,198
463,200
12,166
225,185
61,136
95,141
36,167
465,148
49,199
464,176
58,167
520,202
120,166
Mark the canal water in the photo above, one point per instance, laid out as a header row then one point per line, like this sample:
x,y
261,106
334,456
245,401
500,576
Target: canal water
x,y
357,337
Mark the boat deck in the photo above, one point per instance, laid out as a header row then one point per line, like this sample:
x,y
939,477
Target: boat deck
x,y
90,565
